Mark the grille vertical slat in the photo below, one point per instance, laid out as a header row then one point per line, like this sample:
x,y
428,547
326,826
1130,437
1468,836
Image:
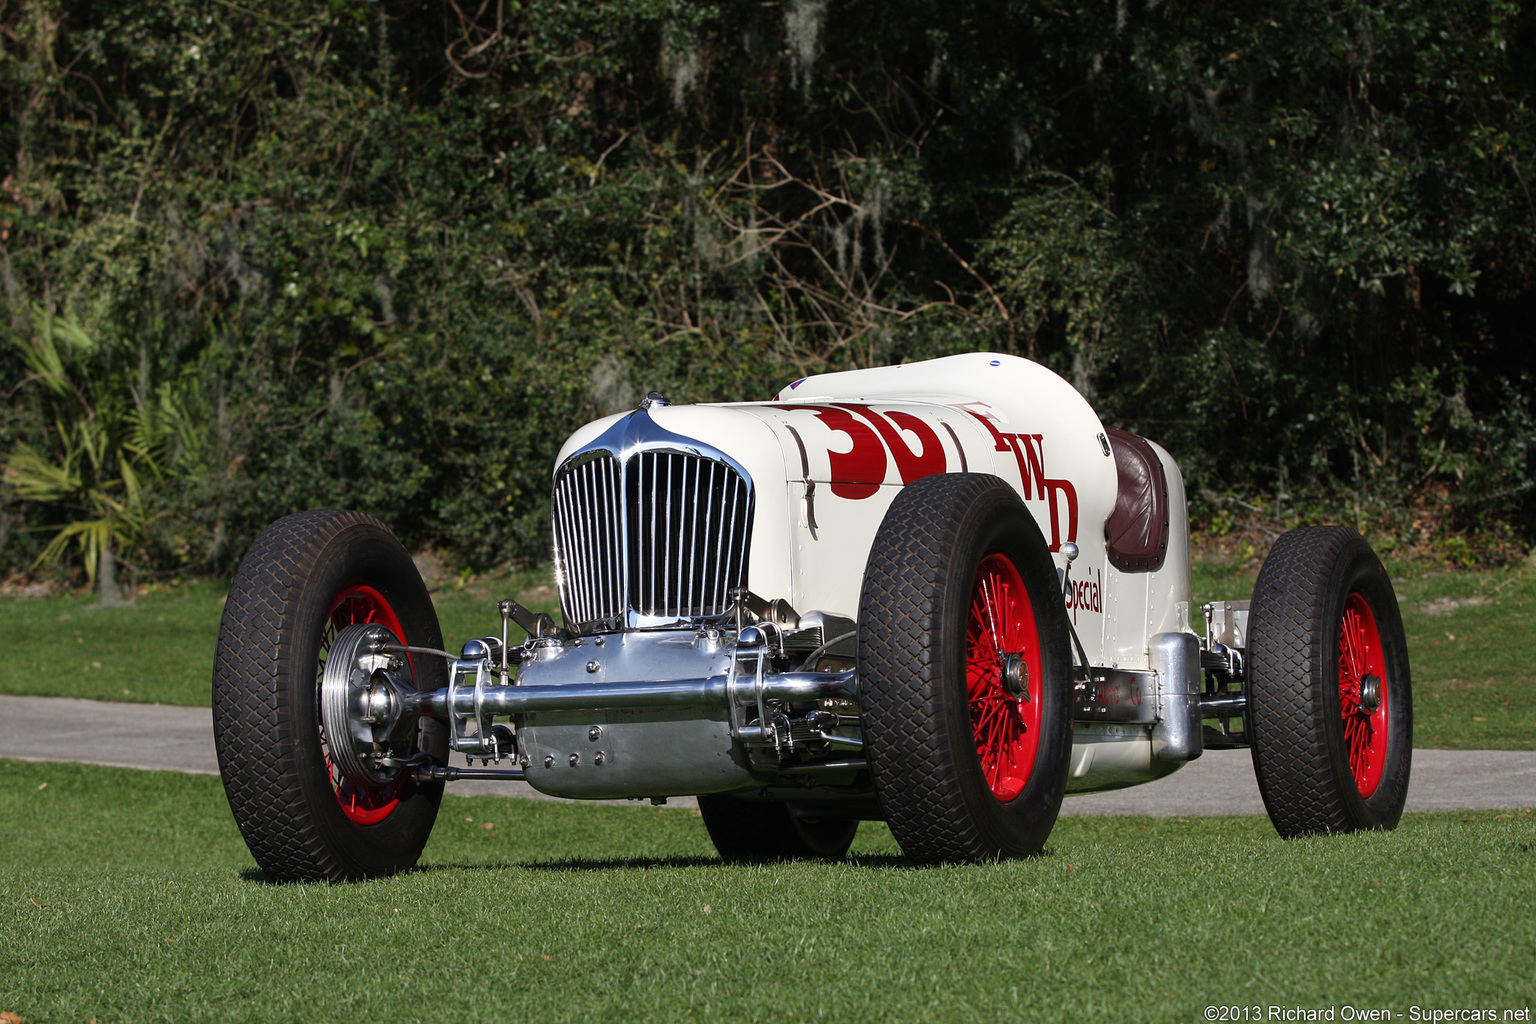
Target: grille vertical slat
x,y
730,539
615,549
566,547
666,554
681,569
605,551
695,569
716,594
648,511
581,548
676,478
588,485
642,545
589,540
584,530
669,537
575,547
648,549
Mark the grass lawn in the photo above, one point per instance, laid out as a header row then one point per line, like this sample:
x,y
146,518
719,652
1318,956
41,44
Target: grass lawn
x,y
128,896
1471,642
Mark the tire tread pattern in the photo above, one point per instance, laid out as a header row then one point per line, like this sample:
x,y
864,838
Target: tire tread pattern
x,y
925,808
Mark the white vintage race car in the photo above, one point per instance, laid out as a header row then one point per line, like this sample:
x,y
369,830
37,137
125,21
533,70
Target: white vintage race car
x,y
942,595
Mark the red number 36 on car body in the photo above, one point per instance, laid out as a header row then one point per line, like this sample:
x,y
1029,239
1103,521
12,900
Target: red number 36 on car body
x,y
943,595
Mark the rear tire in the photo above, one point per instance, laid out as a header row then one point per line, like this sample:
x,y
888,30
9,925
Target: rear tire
x,y
1330,702
307,576
961,613
747,832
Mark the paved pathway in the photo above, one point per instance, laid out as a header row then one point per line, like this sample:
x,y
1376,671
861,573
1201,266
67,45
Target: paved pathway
x,y
1221,782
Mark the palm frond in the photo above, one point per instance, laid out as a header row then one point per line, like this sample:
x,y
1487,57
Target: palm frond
x,y
91,536
68,330
39,478
41,355
135,493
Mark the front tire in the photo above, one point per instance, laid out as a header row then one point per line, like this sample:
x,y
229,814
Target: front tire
x,y
306,577
1330,700
964,672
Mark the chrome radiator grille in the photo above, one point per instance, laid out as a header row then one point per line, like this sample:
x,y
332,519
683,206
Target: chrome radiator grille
x,y
587,539
674,547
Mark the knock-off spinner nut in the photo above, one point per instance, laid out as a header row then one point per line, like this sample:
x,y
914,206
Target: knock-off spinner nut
x,y
1016,677
1370,694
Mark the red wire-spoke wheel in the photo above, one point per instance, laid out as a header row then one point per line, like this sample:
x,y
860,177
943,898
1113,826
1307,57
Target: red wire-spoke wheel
x,y
359,603
964,672
307,577
1002,660
1362,697
1330,701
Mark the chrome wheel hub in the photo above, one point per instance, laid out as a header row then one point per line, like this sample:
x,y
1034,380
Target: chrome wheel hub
x,y
363,694
1370,694
1016,677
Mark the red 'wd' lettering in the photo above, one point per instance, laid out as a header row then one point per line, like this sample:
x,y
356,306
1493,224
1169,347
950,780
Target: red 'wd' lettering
x,y
1029,452
1051,490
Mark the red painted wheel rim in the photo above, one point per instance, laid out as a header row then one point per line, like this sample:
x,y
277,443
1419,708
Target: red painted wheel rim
x,y
1002,625
1365,730
365,805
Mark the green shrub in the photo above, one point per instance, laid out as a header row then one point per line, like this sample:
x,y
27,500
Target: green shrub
x,y
403,250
